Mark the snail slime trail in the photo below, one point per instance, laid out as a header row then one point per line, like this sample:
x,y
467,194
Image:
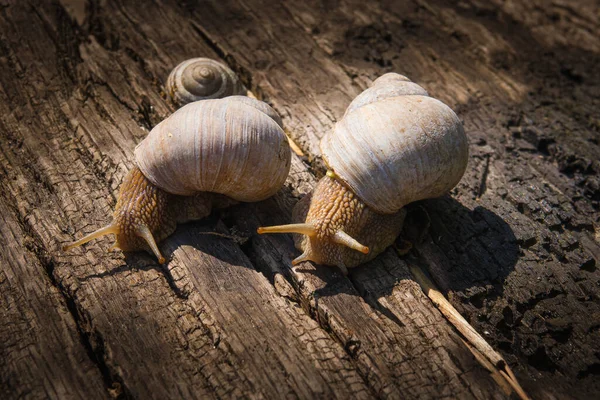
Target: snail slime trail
x,y
394,145
208,153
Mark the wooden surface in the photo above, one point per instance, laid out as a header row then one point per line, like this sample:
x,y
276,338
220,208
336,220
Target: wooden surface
x,y
514,247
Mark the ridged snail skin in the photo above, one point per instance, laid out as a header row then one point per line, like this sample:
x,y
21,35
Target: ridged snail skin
x,y
394,145
202,79
208,153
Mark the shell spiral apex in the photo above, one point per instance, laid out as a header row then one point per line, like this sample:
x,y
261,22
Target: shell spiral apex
x,y
234,146
202,78
388,85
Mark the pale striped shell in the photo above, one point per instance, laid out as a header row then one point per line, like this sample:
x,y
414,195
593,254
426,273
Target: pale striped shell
x,y
233,146
388,85
396,145
201,79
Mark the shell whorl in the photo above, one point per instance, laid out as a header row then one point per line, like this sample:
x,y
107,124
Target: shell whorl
x,y
395,145
202,78
387,85
234,146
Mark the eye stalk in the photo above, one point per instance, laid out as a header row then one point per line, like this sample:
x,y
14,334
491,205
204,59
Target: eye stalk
x,y
344,239
107,230
340,237
141,231
303,229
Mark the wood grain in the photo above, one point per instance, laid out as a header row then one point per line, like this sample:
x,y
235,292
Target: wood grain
x,y
514,247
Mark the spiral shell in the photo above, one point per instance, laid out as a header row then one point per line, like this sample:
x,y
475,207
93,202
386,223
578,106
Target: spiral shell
x,y
396,145
234,146
200,79
388,85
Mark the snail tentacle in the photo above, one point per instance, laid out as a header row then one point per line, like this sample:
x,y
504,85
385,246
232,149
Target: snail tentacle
x,y
304,229
145,233
106,230
306,256
344,239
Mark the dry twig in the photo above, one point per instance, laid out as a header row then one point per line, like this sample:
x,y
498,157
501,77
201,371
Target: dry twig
x,y
468,332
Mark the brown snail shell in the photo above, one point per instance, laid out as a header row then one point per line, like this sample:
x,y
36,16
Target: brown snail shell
x,y
200,79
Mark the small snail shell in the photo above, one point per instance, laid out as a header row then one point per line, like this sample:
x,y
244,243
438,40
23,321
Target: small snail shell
x,y
394,145
233,146
202,78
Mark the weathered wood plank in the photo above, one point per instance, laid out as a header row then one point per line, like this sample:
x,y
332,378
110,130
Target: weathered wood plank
x,y
153,339
349,306
520,74
38,332
516,250
45,178
350,302
399,341
529,201
284,352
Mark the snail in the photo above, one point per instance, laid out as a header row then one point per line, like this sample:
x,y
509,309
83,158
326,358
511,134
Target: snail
x,y
208,153
394,145
202,79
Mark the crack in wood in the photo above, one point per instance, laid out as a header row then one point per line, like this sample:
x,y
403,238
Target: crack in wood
x,y
90,338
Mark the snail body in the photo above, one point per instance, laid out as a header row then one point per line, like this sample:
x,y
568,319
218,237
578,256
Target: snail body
x,y
393,146
208,153
202,79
